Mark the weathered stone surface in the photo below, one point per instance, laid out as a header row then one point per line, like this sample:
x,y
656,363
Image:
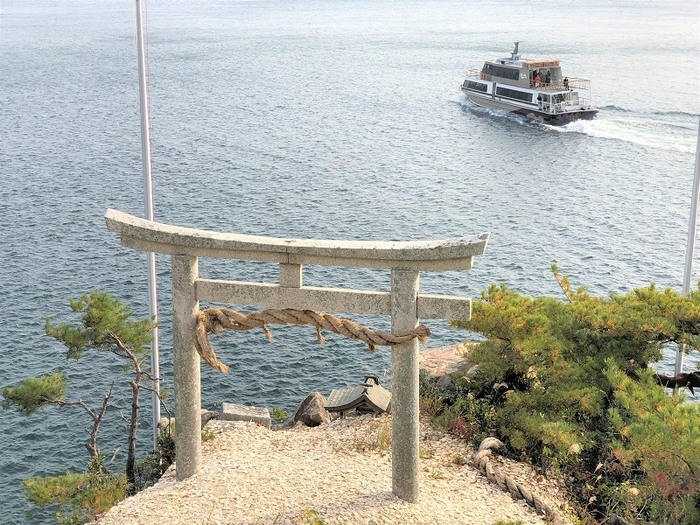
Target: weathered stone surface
x,y
439,255
405,462
444,360
208,415
186,367
233,412
310,412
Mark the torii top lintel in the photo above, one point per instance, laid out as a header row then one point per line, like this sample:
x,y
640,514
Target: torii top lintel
x,y
440,255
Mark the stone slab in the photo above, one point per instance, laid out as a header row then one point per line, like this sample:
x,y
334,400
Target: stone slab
x,y
234,412
444,360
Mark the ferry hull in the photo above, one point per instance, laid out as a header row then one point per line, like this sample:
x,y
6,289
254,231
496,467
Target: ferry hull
x,y
554,119
559,119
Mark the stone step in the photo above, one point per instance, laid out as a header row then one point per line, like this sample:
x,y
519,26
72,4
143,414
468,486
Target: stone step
x,y
234,412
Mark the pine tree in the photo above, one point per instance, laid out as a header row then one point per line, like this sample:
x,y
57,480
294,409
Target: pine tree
x,y
105,326
571,388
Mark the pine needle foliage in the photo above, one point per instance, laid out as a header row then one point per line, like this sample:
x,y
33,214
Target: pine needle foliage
x,y
572,390
34,393
105,326
78,497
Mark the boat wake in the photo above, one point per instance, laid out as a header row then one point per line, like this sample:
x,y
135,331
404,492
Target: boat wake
x,y
669,130
660,114
653,130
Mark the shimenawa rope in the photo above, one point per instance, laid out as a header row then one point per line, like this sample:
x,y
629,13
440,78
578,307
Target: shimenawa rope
x,y
215,320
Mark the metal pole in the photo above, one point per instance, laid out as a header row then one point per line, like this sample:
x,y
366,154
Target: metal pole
x,y
690,247
148,187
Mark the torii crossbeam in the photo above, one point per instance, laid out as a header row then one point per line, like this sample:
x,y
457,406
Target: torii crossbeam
x,y
403,303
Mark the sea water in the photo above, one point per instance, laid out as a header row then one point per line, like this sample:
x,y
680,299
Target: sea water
x,y
320,119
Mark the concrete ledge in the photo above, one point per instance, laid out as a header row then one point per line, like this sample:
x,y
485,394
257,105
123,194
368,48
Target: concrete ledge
x,y
233,412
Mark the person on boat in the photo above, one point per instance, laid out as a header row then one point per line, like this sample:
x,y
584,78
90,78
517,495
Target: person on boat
x,y
547,79
537,80
566,83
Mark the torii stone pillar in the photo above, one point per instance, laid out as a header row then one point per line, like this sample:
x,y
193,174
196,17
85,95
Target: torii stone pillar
x,y
186,365
403,303
404,387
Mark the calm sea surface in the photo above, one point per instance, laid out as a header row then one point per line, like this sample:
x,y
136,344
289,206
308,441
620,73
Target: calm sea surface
x,y
321,119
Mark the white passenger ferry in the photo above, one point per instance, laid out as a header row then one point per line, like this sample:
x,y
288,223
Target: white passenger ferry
x,y
535,88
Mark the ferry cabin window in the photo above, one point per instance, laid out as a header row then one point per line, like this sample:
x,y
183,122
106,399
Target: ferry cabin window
x,y
514,93
502,72
477,86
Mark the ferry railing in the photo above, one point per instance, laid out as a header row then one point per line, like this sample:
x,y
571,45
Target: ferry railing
x,y
573,83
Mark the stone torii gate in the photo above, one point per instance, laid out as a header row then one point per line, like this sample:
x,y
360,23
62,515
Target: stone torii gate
x,y
403,303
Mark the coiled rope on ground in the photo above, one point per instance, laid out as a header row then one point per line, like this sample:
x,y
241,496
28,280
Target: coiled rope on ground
x,y
517,490
215,320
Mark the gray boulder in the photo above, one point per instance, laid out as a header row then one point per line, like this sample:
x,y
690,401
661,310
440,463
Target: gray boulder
x,y
311,412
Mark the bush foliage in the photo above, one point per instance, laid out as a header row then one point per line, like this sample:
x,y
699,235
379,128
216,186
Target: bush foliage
x,y
105,326
78,497
568,385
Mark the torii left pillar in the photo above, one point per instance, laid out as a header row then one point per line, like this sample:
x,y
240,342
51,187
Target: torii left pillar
x,y
186,367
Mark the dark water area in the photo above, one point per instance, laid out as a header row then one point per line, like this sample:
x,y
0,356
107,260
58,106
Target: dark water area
x,y
320,119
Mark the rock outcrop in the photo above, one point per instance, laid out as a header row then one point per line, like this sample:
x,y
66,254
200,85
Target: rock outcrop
x,y
310,412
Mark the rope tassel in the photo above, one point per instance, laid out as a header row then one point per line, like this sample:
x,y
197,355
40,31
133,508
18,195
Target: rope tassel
x,y
215,320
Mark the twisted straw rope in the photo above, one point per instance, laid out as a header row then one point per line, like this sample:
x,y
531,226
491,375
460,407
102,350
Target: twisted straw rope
x,y
518,491
215,320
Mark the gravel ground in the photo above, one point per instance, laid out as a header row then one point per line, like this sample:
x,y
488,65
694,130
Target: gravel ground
x,y
339,473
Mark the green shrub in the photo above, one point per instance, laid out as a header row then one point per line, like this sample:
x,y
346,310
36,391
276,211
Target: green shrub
x,y
569,387
150,469
77,497
279,415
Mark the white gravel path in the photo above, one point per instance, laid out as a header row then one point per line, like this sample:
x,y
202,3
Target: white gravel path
x,y
341,471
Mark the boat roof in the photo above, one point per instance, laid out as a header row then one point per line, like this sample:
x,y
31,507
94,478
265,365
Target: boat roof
x,y
526,62
516,60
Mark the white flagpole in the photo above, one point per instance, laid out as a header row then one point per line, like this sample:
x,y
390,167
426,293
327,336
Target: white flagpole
x,y
690,248
148,186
